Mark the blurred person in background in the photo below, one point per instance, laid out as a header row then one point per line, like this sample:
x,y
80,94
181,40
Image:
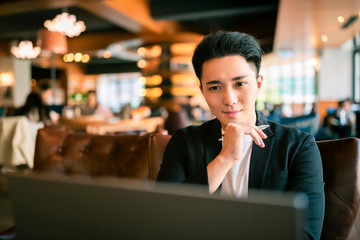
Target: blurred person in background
x,y
346,117
92,107
35,110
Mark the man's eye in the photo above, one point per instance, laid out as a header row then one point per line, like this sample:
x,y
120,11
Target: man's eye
x,y
240,84
214,88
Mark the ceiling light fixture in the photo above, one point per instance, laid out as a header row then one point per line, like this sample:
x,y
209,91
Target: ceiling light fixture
x,y
77,57
324,38
340,19
65,24
25,50
6,79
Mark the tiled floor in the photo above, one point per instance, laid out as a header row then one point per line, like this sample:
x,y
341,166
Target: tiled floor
x,y
6,219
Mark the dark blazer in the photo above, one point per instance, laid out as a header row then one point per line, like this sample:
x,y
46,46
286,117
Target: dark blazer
x,y
290,161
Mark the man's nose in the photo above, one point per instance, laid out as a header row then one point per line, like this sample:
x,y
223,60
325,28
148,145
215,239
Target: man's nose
x,y
229,97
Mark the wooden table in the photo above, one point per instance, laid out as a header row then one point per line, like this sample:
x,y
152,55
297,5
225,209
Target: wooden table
x,y
145,125
100,125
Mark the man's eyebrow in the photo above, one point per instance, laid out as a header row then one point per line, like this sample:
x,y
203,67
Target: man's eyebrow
x,y
233,79
213,82
238,77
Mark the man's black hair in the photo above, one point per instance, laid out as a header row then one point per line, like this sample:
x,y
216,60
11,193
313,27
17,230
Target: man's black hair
x,y
222,44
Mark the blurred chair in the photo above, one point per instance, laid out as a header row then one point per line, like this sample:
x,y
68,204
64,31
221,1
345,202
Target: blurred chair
x,y
341,170
157,144
306,123
176,119
357,129
17,141
128,156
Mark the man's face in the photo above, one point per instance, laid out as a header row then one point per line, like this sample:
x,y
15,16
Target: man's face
x,y
230,87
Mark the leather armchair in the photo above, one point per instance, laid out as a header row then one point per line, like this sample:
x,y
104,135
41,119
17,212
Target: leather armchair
x,y
140,156
341,170
128,156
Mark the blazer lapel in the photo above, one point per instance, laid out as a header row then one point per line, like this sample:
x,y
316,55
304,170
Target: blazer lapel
x,y
211,141
260,157
259,161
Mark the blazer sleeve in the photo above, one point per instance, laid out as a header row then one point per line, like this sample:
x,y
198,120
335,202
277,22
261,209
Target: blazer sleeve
x,y
306,175
180,164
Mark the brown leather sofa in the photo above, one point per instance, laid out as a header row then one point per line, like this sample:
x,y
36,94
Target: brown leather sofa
x,y
128,156
140,156
341,168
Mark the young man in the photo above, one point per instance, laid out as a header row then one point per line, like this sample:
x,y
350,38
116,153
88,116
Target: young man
x,y
283,159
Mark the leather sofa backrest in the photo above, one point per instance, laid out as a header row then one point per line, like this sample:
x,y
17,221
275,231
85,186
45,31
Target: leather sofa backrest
x,y
140,156
128,156
341,170
157,145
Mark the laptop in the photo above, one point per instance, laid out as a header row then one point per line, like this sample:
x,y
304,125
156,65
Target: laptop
x,y
57,207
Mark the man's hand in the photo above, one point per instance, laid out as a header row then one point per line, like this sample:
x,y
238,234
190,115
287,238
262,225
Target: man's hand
x,y
232,151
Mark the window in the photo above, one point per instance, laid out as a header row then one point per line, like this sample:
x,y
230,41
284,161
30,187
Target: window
x,y
117,90
289,84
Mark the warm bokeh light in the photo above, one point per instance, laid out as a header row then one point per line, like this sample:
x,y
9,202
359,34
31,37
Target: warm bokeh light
x,y
314,61
141,63
155,51
70,57
78,57
150,52
85,58
184,79
142,80
340,19
324,38
141,51
154,80
117,47
142,92
185,91
153,92
6,79
107,54
182,48
33,82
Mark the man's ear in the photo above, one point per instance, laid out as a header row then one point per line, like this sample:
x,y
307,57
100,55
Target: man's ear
x,y
260,80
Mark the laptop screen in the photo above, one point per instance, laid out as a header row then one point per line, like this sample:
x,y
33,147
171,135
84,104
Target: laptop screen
x,y
57,207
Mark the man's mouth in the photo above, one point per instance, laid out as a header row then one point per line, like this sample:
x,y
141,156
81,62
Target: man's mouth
x,y
231,113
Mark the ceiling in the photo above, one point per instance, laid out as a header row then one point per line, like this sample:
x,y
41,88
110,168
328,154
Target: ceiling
x,y
109,21
295,26
302,23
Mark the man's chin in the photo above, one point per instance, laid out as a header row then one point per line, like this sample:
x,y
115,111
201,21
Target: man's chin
x,y
226,121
